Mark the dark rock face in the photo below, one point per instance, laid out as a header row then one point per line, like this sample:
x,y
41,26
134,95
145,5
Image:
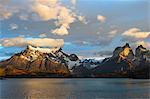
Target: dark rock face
x,y
112,68
142,63
141,71
33,63
81,71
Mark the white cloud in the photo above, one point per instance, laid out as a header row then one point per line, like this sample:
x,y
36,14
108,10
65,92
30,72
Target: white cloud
x,y
80,42
44,11
82,19
46,42
101,18
41,10
136,33
53,10
5,13
42,42
73,2
18,41
8,8
112,33
42,35
136,37
43,50
145,44
23,17
66,17
13,26
60,31
47,2
105,38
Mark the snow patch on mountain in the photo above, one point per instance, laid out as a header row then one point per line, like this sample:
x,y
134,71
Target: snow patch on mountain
x,y
43,50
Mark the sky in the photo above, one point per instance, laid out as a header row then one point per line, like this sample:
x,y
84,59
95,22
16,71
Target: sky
x,y
88,28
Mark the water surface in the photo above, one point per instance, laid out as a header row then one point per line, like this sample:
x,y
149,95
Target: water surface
x,y
88,88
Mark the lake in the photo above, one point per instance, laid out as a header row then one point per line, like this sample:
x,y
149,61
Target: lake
x,y
75,88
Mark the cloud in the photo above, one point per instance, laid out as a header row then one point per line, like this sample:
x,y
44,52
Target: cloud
x,y
101,18
135,33
60,31
23,17
82,19
103,53
105,38
5,12
41,42
46,42
73,2
65,17
136,37
10,7
49,2
42,35
53,10
41,10
145,44
13,26
18,41
113,33
44,11
81,42
98,38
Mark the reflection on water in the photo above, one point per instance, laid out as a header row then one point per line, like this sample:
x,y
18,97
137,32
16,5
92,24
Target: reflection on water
x,y
73,88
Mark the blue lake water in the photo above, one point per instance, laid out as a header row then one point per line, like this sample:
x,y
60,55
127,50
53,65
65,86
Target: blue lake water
x,y
80,88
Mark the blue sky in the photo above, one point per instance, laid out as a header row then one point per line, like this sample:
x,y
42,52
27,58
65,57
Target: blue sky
x,y
119,21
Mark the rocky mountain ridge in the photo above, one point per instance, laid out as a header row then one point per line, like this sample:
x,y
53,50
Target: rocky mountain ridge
x,y
54,62
124,63
34,61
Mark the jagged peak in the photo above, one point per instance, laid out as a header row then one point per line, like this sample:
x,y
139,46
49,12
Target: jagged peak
x,y
141,48
119,48
126,45
123,52
140,51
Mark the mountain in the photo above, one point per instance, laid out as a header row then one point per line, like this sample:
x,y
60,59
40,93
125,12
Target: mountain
x,y
54,62
124,63
38,62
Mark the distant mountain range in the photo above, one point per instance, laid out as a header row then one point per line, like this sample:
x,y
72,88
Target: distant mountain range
x,y
45,62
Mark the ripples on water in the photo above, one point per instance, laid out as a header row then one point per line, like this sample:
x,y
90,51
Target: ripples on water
x,y
74,88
